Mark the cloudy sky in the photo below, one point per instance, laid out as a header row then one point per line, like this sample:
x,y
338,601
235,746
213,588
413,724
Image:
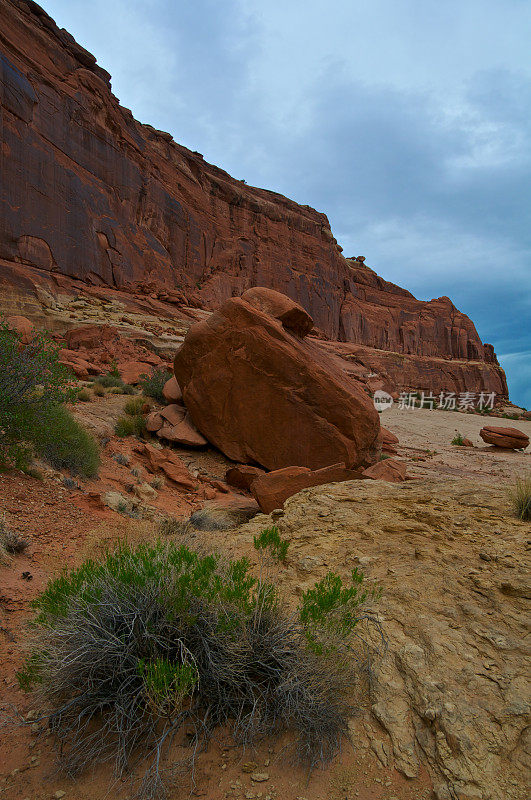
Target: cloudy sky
x,y
408,122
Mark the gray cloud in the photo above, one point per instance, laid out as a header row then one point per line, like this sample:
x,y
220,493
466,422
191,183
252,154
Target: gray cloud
x,y
407,123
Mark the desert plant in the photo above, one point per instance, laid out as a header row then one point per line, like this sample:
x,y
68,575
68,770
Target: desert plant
x,y
110,380
170,526
83,395
130,426
65,444
520,496
134,406
157,643
121,459
10,542
128,389
269,540
33,388
152,385
458,440
157,482
98,389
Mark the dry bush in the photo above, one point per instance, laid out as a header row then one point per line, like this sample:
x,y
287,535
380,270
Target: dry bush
x,y
520,496
157,644
10,543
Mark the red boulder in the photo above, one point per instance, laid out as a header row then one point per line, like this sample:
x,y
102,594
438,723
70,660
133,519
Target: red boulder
x,y
509,438
261,394
273,489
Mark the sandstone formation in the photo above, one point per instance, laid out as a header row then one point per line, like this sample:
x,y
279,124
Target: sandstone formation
x,y
272,489
509,438
261,394
171,391
388,470
89,194
242,476
452,690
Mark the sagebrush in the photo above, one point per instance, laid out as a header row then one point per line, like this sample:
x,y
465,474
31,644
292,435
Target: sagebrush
x,y
158,644
153,384
33,419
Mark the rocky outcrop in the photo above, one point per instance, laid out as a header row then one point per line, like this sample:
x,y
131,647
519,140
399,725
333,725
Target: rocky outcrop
x,y
261,394
271,490
89,193
452,689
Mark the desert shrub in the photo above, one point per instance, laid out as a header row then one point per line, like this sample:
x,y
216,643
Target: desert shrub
x,y
128,389
134,406
130,425
110,380
152,385
98,389
156,644
269,540
458,440
83,395
122,459
33,387
157,482
65,444
10,542
520,496
170,526
213,518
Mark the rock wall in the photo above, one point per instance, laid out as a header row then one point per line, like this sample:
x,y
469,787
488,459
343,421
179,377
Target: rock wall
x,y
90,193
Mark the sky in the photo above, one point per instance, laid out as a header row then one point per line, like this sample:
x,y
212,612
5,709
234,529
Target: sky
x,y
408,122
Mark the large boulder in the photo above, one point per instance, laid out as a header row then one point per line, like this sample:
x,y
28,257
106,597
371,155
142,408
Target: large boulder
x,y
261,394
509,438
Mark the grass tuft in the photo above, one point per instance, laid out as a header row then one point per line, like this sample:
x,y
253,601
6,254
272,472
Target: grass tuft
x,y
458,440
520,496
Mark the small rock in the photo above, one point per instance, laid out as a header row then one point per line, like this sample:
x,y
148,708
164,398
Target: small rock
x,y
259,777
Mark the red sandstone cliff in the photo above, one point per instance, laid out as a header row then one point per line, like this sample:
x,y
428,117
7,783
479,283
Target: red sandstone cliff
x,y
90,193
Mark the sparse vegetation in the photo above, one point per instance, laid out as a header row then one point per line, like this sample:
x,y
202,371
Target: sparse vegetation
x,y
98,389
520,496
134,406
157,644
157,482
152,385
269,540
458,440
10,542
121,459
110,380
130,426
33,419
170,526
83,395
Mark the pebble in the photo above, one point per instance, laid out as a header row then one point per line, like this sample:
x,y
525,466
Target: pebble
x,y
260,777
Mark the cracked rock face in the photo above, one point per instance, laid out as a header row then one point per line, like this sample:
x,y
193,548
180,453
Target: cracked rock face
x,y
451,690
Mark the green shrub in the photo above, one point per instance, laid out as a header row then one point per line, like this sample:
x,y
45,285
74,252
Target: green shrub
x,y
109,380
33,387
520,496
458,440
130,426
83,395
65,444
128,389
155,640
270,540
152,385
134,406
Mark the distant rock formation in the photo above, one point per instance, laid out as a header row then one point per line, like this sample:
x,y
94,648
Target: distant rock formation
x,y
89,193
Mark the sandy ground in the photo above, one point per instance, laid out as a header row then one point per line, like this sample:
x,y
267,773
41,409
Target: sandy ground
x,y
425,437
